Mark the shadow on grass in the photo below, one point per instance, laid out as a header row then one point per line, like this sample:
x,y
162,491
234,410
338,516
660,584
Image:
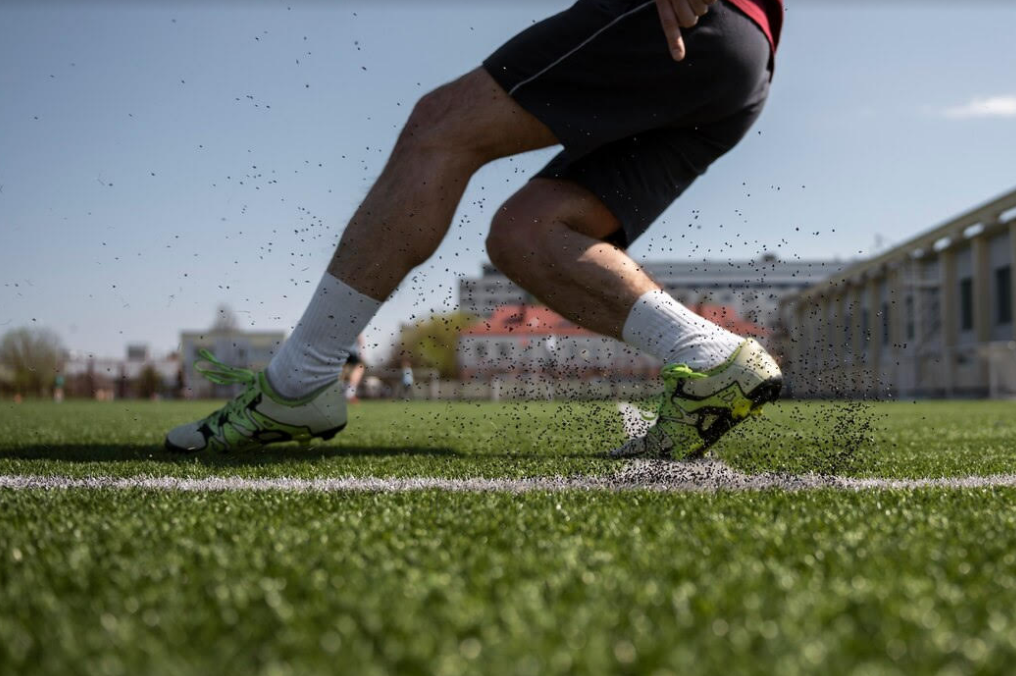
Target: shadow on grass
x,y
117,453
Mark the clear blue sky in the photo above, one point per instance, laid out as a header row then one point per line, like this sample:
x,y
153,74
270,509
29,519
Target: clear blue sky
x,y
158,161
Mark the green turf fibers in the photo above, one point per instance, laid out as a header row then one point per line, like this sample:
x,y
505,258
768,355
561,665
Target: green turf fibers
x,y
514,440
155,582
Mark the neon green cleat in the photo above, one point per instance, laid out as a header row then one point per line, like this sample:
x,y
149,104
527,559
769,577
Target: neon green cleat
x,y
258,416
696,409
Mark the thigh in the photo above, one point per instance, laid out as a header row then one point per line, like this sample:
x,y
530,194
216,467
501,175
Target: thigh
x,y
637,127
474,112
601,71
544,198
637,178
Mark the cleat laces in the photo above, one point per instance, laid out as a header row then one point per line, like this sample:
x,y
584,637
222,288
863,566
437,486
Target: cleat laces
x,y
221,373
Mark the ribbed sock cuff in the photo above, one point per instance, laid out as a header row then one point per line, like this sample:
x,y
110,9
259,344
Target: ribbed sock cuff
x,y
661,326
313,355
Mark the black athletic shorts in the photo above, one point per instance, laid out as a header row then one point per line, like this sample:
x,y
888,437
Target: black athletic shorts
x,y
637,127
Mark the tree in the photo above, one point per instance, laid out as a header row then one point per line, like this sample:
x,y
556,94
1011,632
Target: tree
x,y
149,382
34,356
433,342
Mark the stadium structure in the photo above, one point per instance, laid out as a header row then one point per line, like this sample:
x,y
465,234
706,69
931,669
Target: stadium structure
x,y
533,339
230,344
108,378
932,317
752,289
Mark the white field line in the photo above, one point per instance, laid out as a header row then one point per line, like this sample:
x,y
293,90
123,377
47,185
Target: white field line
x,y
698,476
692,476
323,485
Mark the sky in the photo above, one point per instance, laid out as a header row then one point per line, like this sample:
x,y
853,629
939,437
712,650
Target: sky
x,y
159,159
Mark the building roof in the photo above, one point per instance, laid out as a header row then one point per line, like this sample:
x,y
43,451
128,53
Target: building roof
x,y
728,318
990,216
233,333
538,320
525,320
766,269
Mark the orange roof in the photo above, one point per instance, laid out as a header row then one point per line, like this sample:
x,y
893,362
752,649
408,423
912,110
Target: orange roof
x,y
538,320
728,318
527,320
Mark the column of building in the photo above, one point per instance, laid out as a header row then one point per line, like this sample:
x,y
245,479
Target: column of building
x,y
874,336
897,310
1012,273
950,317
981,262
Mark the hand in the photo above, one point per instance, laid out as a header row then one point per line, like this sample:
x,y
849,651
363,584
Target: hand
x,y
678,14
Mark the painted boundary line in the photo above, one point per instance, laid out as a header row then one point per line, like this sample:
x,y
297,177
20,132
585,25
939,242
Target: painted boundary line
x,y
323,485
676,477
706,475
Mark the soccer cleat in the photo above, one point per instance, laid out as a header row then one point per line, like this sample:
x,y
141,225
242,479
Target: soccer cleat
x,y
259,416
696,409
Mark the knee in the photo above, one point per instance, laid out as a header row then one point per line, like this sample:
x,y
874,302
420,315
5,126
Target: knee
x,y
440,125
427,124
514,239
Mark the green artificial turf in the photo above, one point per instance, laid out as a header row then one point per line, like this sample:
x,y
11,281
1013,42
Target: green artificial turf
x,y
450,439
105,581
456,439
128,582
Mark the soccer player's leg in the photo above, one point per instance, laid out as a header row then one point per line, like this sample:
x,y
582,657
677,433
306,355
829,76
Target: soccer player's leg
x,y
637,130
259,415
451,133
550,239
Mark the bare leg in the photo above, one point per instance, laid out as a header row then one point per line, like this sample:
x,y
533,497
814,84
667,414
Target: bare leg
x,y
451,133
356,376
548,239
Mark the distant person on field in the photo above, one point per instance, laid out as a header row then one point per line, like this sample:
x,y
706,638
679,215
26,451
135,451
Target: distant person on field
x,y
406,392
642,97
356,370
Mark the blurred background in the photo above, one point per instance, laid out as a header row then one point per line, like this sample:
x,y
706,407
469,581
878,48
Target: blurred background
x,y
175,175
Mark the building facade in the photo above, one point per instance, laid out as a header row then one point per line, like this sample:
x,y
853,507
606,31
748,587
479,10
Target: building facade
x,y
138,375
533,339
753,289
229,344
932,317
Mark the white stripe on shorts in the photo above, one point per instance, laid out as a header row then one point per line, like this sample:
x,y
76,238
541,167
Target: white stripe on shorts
x,y
580,46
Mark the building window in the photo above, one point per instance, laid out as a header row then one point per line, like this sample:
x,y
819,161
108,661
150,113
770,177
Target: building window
x,y
931,313
1003,295
966,304
909,305
885,324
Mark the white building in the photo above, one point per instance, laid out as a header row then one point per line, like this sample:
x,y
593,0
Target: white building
x,y
230,345
110,377
930,317
753,289
533,339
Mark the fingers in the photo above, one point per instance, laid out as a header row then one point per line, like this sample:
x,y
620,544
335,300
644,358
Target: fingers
x,y
671,28
689,11
686,17
678,14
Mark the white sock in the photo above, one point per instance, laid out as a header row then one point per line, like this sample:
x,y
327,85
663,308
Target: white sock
x,y
662,327
315,352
